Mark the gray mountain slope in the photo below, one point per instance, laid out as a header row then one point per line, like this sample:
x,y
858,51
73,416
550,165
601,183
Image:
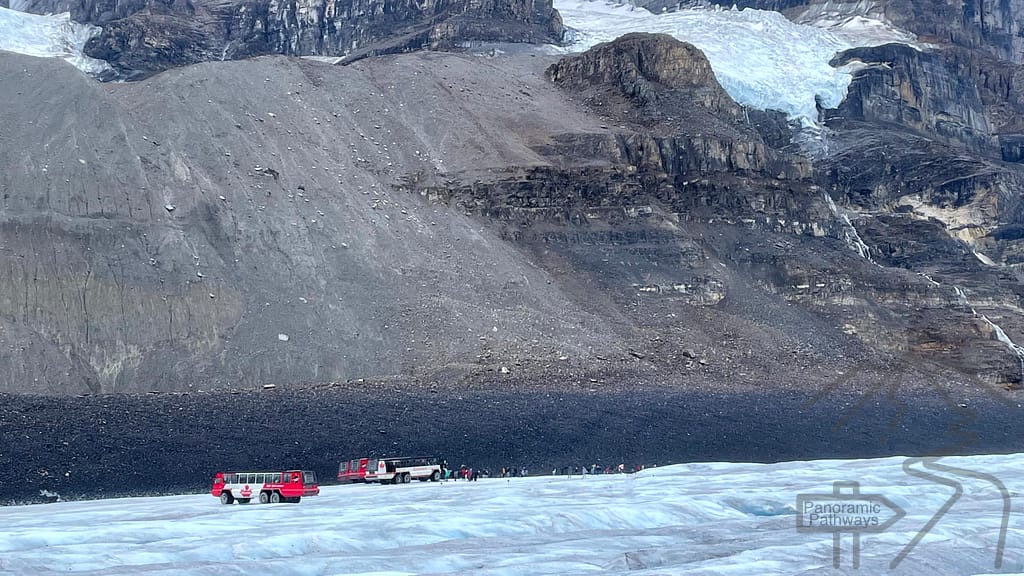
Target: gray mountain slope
x,y
438,217
175,231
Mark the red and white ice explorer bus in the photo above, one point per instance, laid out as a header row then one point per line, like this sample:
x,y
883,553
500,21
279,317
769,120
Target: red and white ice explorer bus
x,y
401,470
267,487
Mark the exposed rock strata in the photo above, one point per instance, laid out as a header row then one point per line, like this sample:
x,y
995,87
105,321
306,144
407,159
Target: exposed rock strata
x,y
141,37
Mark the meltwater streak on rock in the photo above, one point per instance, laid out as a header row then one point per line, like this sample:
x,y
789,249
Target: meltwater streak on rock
x,y
999,332
851,235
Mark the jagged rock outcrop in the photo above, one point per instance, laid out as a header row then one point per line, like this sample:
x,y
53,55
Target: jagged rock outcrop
x,y
685,122
921,91
141,37
656,71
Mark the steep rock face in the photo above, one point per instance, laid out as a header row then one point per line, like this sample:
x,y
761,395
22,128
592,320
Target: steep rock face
x,y
141,37
666,89
636,63
994,27
917,90
954,94
100,12
949,199
922,133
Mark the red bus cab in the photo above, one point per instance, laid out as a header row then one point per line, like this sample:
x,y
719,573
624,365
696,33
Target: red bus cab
x,y
267,487
352,470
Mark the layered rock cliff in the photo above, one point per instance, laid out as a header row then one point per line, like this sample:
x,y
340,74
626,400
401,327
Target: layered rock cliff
x,y
911,161
141,37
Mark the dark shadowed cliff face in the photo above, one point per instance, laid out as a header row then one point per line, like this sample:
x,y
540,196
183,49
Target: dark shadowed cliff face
x,y
922,91
141,37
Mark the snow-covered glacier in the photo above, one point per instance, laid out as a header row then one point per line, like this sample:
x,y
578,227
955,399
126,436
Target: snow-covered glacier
x,y
761,59
956,516
49,36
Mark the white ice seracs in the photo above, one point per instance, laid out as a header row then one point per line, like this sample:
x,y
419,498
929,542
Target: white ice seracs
x,y
761,59
53,36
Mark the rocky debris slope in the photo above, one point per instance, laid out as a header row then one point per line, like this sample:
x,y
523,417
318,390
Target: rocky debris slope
x,y
219,226
119,445
277,220
141,37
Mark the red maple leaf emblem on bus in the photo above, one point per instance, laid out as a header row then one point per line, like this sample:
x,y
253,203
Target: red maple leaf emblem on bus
x,y
246,491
